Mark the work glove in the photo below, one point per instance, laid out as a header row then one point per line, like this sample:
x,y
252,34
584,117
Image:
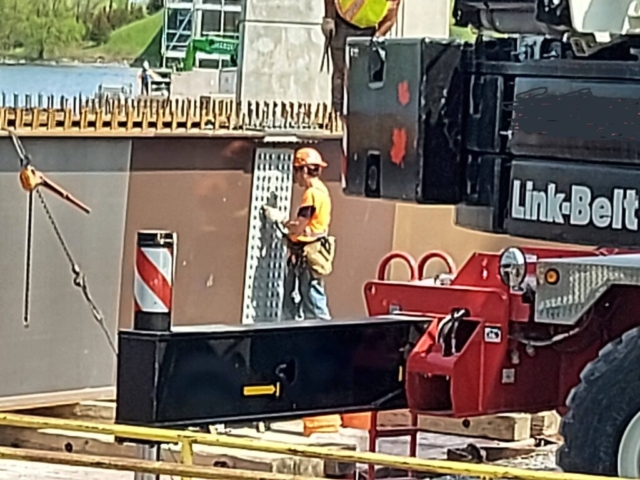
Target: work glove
x,y
273,214
328,27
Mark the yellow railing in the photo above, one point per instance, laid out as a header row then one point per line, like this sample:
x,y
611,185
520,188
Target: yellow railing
x,y
140,466
188,439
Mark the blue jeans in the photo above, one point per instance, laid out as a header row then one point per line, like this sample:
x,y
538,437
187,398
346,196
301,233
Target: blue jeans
x,y
304,295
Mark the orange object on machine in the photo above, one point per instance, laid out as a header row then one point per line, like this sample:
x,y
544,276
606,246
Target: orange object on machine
x,y
359,421
321,424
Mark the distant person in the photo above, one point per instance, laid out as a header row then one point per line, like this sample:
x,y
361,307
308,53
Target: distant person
x,y
145,77
353,18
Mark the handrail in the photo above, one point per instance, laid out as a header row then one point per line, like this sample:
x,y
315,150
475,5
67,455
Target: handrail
x,y
443,467
445,257
389,257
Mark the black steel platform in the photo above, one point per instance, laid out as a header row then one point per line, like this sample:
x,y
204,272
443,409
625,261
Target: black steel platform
x,y
204,375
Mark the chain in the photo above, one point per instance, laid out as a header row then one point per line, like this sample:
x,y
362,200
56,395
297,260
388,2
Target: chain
x,y
79,278
25,158
27,273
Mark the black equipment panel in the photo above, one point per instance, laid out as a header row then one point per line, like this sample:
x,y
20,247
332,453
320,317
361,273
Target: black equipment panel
x,y
262,372
489,112
486,198
575,203
576,119
404,120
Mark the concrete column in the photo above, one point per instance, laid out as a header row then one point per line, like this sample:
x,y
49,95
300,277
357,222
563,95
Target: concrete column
x,y
282,47
421,18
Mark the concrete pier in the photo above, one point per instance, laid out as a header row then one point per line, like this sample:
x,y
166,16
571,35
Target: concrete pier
x,y
282,51
283,46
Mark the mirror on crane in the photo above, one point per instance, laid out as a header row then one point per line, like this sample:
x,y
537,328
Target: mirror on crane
x,y
513,267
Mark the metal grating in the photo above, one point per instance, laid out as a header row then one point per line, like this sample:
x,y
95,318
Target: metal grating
x,y
266,253
582,281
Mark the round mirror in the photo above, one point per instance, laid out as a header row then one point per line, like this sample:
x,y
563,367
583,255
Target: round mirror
x,y
513,267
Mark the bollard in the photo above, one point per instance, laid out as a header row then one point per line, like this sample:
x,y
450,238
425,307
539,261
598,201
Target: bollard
x,y
154,272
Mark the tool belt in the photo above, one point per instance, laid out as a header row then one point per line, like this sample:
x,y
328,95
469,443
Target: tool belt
x,y
317,255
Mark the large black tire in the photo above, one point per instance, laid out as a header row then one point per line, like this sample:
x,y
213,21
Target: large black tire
x,y
601,407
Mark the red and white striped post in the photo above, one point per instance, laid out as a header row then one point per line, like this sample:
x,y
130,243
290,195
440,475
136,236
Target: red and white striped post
x,y
154,274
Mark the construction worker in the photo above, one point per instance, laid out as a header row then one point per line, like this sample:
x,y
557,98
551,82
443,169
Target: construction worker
x,y
146,76
311,248
353,18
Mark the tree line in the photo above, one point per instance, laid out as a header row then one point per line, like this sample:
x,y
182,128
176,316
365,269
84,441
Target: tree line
x,y
42,28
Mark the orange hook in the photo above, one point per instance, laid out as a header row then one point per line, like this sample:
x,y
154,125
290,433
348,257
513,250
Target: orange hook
x,y
31,179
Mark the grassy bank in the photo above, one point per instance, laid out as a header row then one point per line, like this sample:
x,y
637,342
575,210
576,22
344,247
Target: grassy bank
x,y
132,43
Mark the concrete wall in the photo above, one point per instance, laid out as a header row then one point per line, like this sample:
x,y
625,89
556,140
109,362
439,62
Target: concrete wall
x,y
421,18
196,82
204,196
419,229
283,45
282,51
63,354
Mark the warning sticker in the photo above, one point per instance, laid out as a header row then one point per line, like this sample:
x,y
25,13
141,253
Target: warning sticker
x,y
492,334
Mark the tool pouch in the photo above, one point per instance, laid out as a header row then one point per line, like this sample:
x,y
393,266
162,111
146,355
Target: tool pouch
x,y
319,256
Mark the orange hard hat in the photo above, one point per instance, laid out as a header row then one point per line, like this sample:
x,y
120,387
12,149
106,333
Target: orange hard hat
x,y
308,157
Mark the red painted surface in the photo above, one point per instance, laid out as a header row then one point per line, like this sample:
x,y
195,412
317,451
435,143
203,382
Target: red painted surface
x,y
404,94
436,254
399,146
390,257
153,278
469,382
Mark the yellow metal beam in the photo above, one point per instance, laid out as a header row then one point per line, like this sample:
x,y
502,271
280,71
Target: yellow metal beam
x,y
160,435
178,116
140,466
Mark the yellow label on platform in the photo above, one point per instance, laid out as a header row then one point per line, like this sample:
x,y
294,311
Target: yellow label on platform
x,y
256,390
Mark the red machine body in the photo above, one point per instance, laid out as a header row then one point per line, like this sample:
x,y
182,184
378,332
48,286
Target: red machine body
x,y
491,367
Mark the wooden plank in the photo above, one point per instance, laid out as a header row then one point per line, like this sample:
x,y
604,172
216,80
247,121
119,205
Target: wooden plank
x,y
506,427
545,424
52,399
92,411
509,427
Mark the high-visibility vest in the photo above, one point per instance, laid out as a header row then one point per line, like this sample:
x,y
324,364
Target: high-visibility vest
x,y
362,13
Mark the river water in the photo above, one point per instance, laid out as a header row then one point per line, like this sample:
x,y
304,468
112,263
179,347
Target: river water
x,y
69,81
